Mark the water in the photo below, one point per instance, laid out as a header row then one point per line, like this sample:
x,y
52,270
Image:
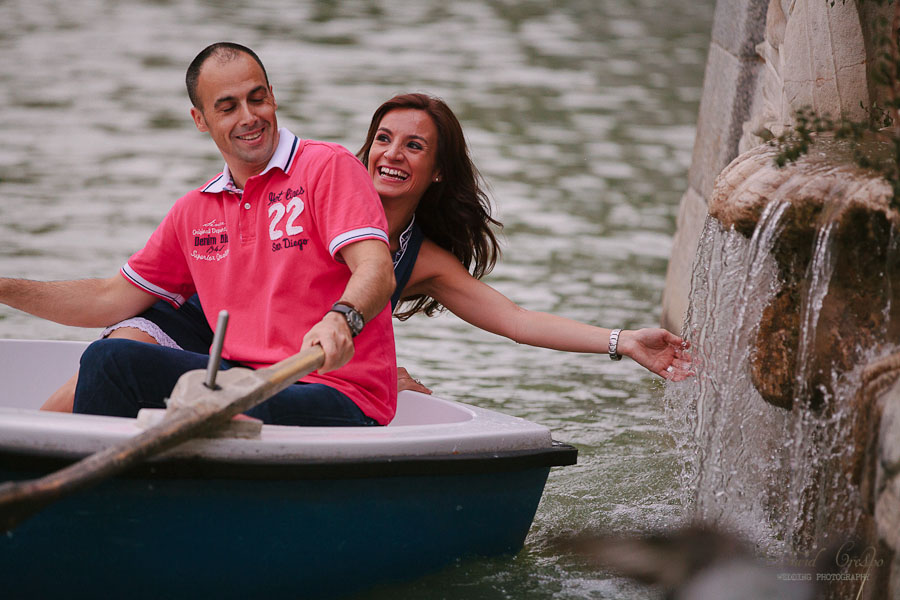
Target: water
x,y
580,114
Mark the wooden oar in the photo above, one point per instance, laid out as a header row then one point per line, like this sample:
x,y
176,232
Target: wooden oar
x,y
193,409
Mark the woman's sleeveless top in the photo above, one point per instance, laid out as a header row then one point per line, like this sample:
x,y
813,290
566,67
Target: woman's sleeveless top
x,y
405,258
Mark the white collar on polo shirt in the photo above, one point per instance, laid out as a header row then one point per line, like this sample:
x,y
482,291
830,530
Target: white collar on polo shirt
x,y
281,159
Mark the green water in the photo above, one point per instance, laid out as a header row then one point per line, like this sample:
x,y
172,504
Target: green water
x,y
580,114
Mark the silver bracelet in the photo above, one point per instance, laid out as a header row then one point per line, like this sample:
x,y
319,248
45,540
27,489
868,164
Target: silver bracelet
x,y
613,344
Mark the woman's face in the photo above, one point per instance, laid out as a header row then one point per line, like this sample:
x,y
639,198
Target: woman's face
x,y
403,155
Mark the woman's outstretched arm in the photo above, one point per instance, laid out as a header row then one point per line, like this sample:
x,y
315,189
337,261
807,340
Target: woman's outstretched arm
x,y
440,275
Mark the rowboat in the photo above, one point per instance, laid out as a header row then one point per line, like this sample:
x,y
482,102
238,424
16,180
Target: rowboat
x,y
288,512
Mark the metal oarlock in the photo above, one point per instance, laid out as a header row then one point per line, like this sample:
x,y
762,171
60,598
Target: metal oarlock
x,y
215,351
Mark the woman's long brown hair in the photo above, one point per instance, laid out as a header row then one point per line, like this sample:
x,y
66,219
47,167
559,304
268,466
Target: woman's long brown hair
x,y
454,213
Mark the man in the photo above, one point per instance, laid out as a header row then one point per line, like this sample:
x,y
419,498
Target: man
x,y
290,238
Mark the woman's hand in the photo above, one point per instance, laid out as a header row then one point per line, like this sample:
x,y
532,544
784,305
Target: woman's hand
x,y
405,381
657,350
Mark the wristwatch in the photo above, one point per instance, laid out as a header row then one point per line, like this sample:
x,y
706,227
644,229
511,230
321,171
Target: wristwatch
x,y
354,319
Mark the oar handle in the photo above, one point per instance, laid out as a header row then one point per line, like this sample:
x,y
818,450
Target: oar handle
x,y
286,372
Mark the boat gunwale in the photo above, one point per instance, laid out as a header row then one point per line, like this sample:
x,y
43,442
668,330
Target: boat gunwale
x,y
557,455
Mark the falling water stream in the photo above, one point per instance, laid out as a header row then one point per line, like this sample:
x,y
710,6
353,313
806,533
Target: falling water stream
x,y
780,477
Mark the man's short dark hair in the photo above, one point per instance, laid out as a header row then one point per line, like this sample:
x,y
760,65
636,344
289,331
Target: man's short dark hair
x,y
225,51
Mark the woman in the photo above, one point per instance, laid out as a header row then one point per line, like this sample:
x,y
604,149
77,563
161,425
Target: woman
x,y
440,233
417,156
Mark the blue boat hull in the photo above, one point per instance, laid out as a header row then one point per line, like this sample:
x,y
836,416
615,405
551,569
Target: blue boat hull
x,y
264,538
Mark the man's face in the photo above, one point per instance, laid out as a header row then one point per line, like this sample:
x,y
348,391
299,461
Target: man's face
x,y
237,108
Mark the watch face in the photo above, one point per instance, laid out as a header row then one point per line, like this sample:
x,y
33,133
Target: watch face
x,y
355,321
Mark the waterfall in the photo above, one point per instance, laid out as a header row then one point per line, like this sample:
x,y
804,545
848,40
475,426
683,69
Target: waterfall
x,y
727,472
782,477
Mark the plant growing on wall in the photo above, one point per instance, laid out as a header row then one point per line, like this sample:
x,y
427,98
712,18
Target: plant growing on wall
x,y
883,119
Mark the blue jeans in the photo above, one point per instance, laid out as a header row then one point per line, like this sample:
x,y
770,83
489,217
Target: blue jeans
x,y
186,325
118,377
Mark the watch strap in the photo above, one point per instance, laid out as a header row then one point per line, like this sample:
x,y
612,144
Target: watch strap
x,y
353,317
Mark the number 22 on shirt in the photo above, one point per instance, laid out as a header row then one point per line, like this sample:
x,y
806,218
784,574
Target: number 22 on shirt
x,y
277,214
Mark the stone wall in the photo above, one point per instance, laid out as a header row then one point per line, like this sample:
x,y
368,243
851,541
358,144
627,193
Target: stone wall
x,y
729,86
767,58
887,486
881,470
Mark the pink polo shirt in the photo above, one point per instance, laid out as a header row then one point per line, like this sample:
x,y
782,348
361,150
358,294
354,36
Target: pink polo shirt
x,y
270,257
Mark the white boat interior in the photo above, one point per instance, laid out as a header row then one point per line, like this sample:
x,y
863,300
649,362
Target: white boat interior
x,y
424,425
